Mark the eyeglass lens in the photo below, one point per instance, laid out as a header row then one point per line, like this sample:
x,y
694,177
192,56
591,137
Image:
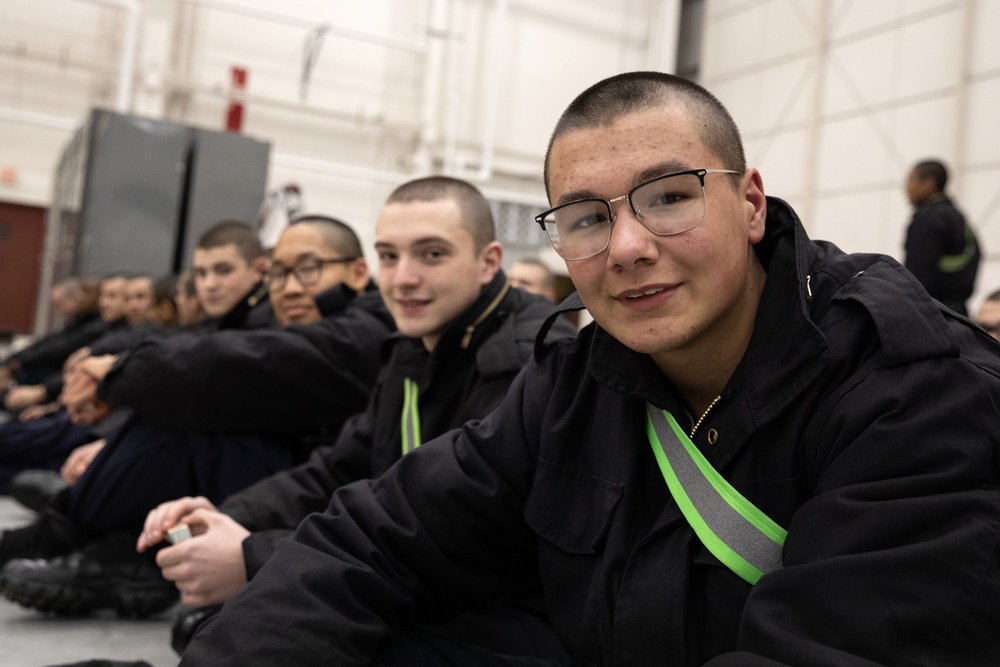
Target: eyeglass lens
x,y
668,205
306,273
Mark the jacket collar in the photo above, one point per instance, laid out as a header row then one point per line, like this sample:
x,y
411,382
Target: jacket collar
x,y
237,315
477,320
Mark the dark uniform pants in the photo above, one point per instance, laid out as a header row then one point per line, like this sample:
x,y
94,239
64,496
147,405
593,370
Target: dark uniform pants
x,y
143,465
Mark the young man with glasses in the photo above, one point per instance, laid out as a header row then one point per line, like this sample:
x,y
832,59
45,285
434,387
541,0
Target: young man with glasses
x,y
764,451
213,413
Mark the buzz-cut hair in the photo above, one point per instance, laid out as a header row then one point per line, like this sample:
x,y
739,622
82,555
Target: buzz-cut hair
x,y
336,233
606,101
933,169
236,233
472,205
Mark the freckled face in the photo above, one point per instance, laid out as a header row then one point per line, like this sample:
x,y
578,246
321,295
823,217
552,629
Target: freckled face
x,y
674,297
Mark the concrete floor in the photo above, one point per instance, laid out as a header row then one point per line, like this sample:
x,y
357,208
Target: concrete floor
x,y
31,639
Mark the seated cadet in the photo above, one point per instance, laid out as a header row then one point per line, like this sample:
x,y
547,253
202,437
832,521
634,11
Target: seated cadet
x,y
38,368
44,440
263,397
35,487
464,336
227,261
764,451
77,299
138,301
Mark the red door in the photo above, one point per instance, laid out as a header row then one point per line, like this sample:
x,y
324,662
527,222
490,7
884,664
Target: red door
x,y
22,235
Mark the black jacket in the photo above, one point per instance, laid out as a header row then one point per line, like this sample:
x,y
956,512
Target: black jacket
x,y
455,384
862,418
939,229
299,379
47,354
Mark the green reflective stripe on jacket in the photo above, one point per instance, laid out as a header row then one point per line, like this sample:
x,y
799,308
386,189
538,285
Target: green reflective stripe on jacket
x,y
410,422
735,531
955,263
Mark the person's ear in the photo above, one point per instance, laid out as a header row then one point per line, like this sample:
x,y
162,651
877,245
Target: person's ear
x,y
490,260
358,275
261,265
755,204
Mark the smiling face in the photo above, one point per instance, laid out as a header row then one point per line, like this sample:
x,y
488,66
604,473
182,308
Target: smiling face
x,y
683,299
222,277
294,302
429,270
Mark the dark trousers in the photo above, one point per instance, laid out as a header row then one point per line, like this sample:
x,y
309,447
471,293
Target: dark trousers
x,y
144,465
39,444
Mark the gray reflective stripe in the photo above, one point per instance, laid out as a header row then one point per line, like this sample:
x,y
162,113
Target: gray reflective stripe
x,y
410,426
737,533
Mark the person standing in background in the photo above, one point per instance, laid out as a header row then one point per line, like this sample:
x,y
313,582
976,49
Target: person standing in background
x,y
941,247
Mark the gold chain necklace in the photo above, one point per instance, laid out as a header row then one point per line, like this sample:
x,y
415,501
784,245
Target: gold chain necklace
x,y
703,415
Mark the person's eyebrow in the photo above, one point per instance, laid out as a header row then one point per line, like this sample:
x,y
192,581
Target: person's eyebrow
x,y
426,240
662,169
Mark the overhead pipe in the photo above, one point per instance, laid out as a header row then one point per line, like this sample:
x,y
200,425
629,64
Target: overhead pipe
x,y
413,45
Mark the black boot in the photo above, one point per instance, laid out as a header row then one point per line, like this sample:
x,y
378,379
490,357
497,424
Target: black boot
x,y
51,535
37,489
105,574
187,623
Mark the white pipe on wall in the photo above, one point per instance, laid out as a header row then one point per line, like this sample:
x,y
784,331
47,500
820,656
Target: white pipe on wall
x,y
417,46
430,92
499,31
126,70
38,119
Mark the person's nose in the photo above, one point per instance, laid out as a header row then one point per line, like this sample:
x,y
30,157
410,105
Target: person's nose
x,y
406,273
292,284
631,243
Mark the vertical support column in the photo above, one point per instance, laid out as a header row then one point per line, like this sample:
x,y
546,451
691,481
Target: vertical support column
x,y
821,52
962,102
664,36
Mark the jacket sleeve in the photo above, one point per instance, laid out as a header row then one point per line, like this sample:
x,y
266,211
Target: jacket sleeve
x,y
924,241
895,556
441,531
282,500
308,376
52,350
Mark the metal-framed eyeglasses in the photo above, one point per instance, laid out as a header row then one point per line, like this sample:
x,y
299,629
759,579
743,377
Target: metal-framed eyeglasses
x,y
666,205
307,271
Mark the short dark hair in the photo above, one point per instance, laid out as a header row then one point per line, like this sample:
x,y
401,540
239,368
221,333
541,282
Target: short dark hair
x,y
164,289
933,169
233,232
472,205
608,100
337,233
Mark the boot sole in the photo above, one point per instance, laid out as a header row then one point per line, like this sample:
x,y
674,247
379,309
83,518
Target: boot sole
x,y
127,599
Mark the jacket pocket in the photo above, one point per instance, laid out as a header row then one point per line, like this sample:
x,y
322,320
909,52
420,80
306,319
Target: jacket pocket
x,y
570,509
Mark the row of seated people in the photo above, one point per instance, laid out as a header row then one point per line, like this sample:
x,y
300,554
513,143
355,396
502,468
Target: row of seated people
x,y
240,428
